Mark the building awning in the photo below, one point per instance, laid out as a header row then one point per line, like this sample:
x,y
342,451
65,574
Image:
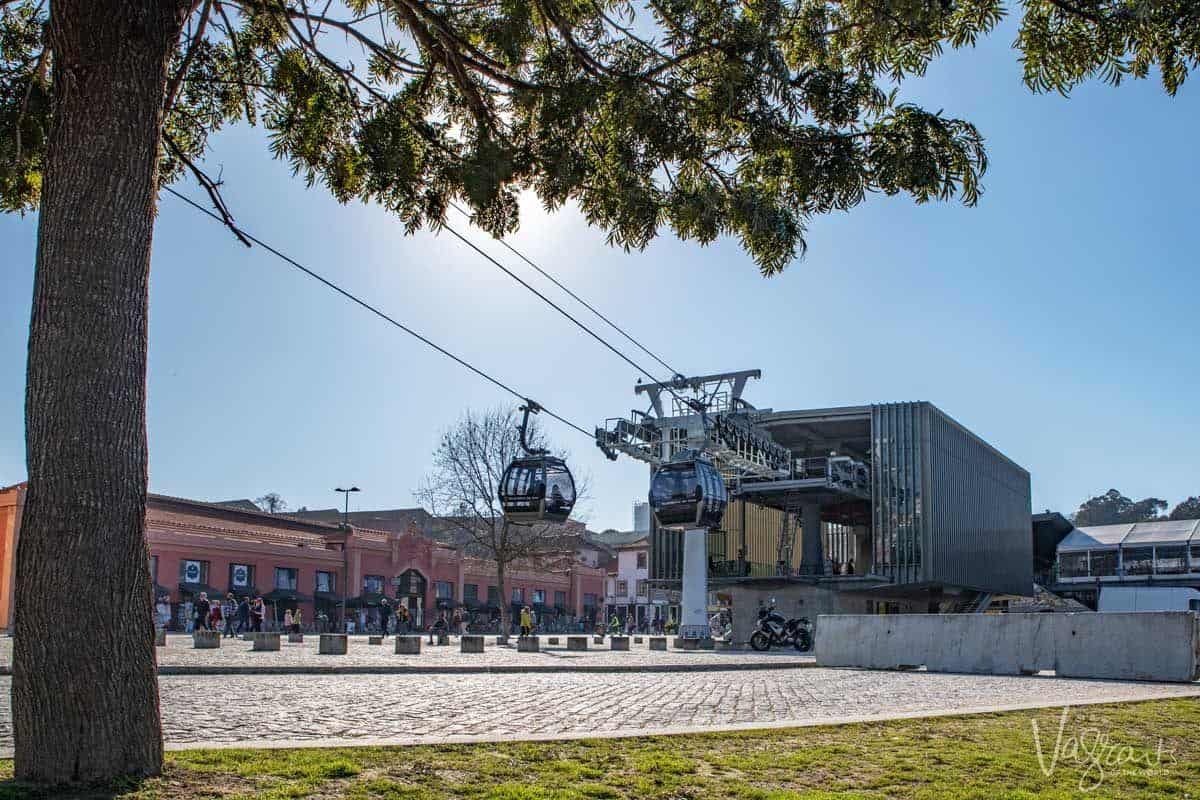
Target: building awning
x,y
1097,537
445,603
243,591
366,600
285,596
197,588
327,597
1179,531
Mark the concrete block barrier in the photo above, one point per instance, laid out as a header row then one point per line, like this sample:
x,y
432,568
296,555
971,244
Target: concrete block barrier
x,y
374,640
333,644
206,640
408,645
686,644
619,642
527,644
265,642
577,643
658,643
1151,646
295,638
468,644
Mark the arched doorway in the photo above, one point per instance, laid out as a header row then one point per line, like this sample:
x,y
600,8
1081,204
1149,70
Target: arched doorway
x,y
410,592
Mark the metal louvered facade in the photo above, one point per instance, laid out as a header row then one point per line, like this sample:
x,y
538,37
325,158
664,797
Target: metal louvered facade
x,y
947,508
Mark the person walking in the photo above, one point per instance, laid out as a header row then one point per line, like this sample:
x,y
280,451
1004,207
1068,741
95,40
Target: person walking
x,y
297,624
200,610
385,613
228,613
243,615
257,612
287,620
214,617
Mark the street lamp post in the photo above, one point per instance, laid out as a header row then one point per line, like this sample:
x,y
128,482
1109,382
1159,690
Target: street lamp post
x,y
345,554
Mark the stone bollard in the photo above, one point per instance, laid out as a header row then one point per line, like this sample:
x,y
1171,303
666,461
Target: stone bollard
x,y
333,644
374,640
577,643
295,638
206,640
527,644
160,637
637,640
620,642
553,640
658,643
469,644
266,642
408,645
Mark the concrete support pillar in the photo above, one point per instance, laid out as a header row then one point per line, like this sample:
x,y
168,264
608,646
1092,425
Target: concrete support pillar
x,y
693,620
862,550
812,552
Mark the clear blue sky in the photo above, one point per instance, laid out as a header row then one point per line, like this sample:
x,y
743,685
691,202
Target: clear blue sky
x,y
1058,319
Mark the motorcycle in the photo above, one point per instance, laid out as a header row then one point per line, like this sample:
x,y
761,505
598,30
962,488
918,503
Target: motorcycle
x,y
775,630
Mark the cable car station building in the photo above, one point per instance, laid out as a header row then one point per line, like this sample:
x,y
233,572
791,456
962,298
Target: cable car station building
x,y
862,509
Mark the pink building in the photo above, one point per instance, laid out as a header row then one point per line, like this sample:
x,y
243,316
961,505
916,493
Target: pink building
x,y
321,567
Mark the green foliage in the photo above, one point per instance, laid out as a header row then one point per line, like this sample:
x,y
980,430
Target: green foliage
x,y
1188,509
707,117
1114,508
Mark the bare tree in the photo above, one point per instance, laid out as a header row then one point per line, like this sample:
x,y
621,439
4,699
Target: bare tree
x,y
462,489
271,503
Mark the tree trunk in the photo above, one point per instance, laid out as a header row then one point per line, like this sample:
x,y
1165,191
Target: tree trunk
x,y
505,616
84,691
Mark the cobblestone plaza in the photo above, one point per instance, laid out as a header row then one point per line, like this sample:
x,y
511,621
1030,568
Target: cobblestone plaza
x,y
258,710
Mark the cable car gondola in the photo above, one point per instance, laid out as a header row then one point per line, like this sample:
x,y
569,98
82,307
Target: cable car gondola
x,y
688,493
538,487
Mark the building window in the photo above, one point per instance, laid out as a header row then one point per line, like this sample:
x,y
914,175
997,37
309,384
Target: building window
x,y
539,597
241,576
641,588
518,595
1138,560
1073,565
641,559
470,592
285,578
622,588
1196,558
326,581
1170,559
494,595
1103,563
372,584
590,601
560,599
193,571
443,590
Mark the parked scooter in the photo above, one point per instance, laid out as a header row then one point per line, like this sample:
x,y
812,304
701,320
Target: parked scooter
x,y
776,631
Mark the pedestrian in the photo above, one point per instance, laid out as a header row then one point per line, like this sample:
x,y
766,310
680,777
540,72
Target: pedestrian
x,y
214,617
287,620
200,610
243,615
228,613
526,621
296,622
257,611
403,620
163,612
385,611
457,623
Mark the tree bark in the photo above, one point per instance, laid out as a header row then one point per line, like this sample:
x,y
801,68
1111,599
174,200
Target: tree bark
x,y
84,691
505,615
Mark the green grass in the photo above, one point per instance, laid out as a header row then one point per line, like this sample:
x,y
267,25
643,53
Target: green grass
x,y
982,757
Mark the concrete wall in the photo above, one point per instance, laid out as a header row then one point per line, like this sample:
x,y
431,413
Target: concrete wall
x,y
1161,646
